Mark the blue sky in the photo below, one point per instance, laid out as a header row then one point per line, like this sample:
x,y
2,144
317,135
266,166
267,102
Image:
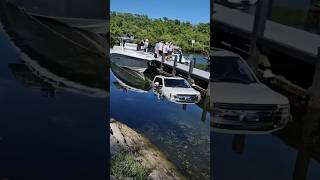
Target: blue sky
x,y
194,11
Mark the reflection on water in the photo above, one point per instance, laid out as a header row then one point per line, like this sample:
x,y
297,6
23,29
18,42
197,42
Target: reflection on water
x,y
290,153
58,54
128,79
308,147
67,8
51,127
176,129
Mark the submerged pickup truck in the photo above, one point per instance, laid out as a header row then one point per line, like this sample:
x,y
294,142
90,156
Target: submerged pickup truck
x,y
176,89
240,100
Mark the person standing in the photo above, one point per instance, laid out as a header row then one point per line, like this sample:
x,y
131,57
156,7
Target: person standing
x,y
156,50
141,46
165,50
170,50
160,44
146,45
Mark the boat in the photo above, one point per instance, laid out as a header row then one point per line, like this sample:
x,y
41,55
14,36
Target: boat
x,y
127,55
99,26
74,13
180,57
130,80
65,57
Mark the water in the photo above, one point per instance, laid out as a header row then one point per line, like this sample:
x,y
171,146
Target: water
x,y
48,132
67,8
182,135
290,153
200,58
201,62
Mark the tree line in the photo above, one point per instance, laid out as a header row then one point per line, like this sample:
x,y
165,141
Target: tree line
x,y
143,27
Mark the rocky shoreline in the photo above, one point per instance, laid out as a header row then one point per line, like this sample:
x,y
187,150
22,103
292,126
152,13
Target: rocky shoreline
x,y
131,151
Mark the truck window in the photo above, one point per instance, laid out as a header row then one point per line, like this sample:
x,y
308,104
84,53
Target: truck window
x,y
158,80
231,69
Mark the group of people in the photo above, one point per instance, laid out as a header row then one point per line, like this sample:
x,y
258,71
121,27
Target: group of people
x,y
161,49
164,49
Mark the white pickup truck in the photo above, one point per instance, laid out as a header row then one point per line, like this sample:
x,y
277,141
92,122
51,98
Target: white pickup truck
x,y
176,89
240,100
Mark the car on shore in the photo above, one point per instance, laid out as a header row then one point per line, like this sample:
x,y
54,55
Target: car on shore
x,y
240,101
175,89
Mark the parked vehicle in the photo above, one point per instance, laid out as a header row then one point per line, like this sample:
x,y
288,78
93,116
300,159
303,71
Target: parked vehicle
x,y
176,89
240,100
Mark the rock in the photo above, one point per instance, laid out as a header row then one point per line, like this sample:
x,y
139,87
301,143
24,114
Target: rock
x,y
114,146
116,133
112,177
125,138
154,175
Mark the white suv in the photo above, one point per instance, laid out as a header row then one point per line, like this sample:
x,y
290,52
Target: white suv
x,y
240,100
176,89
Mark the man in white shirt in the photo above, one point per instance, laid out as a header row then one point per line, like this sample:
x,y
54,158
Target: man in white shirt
x,y
156,50
165,50
145,46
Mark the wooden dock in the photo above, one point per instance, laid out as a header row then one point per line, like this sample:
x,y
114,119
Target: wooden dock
x,y
295,42
195,73
192,73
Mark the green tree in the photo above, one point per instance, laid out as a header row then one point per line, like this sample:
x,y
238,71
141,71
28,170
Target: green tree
x,y
142,27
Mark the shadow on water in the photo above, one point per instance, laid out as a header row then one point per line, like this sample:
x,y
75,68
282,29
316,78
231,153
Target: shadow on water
x,y
181,132
53,95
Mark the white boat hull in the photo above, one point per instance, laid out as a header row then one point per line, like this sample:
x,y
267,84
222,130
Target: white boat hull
x,y
135,60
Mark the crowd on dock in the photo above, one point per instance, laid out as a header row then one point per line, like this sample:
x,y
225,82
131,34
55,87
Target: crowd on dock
x,y
161,49
164,49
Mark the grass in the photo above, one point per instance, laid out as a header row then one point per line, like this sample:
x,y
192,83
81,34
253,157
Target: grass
x,y
125,165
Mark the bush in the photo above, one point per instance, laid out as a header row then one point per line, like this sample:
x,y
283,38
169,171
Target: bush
x,y
125,164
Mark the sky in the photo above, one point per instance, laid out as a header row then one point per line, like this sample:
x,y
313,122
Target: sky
x,y
194,11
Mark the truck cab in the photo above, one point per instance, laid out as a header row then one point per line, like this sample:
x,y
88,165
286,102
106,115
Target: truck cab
x,y
176,89
240,100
